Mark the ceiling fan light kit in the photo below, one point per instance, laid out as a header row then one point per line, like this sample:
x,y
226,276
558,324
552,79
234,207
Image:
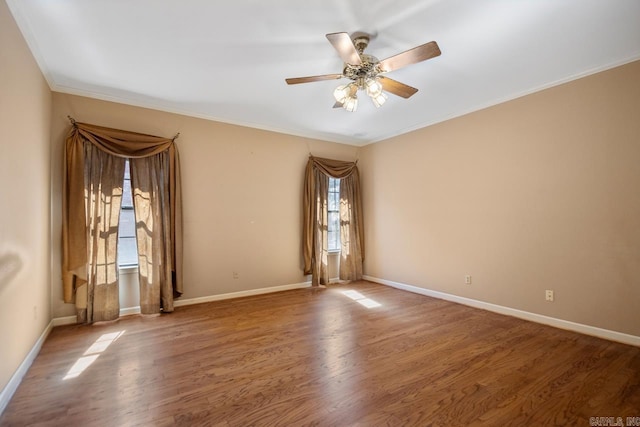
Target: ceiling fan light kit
x,y
365,71
346,95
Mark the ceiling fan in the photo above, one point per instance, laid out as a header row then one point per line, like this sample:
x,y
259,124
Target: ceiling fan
x,y
365,71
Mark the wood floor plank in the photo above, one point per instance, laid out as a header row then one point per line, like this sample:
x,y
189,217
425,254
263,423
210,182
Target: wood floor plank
x,y
319,357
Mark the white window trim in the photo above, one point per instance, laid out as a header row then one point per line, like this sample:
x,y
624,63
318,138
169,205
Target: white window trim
x,y
128,269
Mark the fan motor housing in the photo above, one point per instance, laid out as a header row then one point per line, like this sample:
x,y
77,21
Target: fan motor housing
x,y
368,68
360,40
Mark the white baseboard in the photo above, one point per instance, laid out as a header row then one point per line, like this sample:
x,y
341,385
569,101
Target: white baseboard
x,y
533,317
7,392
239,294
69,320
129,310
72,320
220,297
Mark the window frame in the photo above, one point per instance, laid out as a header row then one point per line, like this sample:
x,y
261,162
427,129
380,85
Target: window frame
x,y
128,208
333,227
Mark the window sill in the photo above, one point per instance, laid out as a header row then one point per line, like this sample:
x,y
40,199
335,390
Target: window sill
x,y
334,251
128,269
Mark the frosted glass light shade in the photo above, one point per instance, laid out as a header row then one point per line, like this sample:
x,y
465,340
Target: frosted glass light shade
x,y
341,93
350,103
374,88
380,99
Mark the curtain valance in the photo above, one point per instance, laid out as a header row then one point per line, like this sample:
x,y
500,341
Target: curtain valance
x,y
334,168
119,142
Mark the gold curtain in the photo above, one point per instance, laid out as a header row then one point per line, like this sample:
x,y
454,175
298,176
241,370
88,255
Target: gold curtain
x,y
351,228
150,188
320,255
147,153
315,220
103,180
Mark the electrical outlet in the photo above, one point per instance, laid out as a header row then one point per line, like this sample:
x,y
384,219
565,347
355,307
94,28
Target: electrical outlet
x,y
548,295
467,279
235,275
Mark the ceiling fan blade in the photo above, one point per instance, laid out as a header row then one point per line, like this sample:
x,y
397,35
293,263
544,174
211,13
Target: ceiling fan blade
x,y
338,105
298,80
411,56
396,88
343,44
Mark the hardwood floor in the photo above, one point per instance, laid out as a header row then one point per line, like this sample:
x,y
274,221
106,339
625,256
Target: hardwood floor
x,y
320,357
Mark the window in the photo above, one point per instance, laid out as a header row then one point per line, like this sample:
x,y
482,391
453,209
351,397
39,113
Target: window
x,y
127,249
334,215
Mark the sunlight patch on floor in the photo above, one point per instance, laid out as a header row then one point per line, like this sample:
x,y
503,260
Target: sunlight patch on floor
x,y
92,354
361,299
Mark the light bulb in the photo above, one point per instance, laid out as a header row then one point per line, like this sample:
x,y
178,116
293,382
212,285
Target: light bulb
x,y
351,103
379,99
374,88
341,93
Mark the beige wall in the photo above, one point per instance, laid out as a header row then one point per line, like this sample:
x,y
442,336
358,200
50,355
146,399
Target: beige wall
x,y
25,114
538,193
242,192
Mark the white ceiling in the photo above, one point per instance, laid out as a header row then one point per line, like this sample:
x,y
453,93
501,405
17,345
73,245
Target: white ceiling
x,y
227,60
